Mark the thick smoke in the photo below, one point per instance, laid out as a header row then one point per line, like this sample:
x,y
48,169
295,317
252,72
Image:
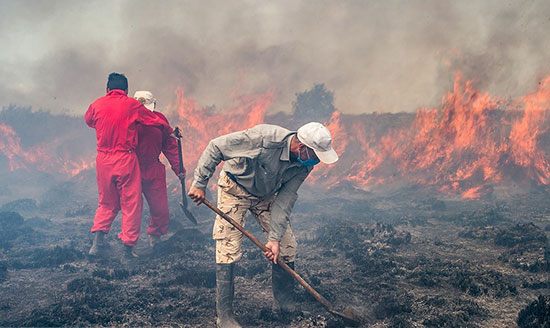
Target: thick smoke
x,y
375,55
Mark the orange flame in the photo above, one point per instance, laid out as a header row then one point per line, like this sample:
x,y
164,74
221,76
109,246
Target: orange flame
x,y
465,147
470,144
200,125
10,147
527,133
38,157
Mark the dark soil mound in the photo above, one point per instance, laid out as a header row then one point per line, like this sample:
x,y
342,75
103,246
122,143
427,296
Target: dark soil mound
x,y
184,241
527,245
463,276
48,257
191,277
10,220
536,314
25,204
88,285
80,210
10,228
348,236
3,272
487,216
89,302
111,274
459,312
522,233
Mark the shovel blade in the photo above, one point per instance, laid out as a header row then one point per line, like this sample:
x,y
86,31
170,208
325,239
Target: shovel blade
x,y
188,214
348,316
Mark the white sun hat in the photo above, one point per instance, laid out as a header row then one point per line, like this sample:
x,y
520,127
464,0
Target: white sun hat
x,y
146,98
317,137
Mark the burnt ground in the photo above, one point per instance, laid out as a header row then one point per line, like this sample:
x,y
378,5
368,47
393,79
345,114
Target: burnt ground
x,y
401,260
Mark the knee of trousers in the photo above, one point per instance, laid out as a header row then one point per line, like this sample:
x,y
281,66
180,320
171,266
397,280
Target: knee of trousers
x,y
159,212
228,250
288,255
288,247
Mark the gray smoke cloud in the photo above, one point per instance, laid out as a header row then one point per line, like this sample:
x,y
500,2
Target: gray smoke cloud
x,y
385,56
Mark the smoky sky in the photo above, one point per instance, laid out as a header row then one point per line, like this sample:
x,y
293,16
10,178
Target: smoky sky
x,y
385,56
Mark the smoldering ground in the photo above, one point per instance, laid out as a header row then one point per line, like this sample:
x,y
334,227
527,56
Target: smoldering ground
x,y
398,260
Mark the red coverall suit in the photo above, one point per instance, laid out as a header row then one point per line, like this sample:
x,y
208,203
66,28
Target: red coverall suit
x,y
115,118
153,141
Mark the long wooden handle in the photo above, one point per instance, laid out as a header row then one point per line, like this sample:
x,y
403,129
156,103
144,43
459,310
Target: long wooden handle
x,y
285,266
180,151
183,204
180,154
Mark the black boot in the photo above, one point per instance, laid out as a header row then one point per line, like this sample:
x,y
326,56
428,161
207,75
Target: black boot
x,y
129,252
282,284
225,290
98,245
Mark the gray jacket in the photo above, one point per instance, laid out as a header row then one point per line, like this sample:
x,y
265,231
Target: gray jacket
x,y
258,159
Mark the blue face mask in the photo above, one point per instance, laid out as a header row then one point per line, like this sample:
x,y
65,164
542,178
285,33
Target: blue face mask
x,y
309,161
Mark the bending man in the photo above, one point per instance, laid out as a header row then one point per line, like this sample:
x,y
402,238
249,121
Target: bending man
x,y
263,169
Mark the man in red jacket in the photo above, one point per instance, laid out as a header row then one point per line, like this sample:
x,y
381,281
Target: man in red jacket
x,y
115,118
152,141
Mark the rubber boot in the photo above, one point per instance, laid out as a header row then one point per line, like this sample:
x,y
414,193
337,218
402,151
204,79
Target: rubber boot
x,y
98,244
225,290
129,252
154,240
282,284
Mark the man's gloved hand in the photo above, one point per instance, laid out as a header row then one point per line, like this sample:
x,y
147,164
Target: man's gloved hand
x,y
273,254
197,195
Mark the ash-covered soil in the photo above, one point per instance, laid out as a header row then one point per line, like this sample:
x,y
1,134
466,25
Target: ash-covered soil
x,y
397,260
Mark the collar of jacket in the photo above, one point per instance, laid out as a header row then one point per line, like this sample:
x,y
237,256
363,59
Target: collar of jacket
x,y
285,155
116,92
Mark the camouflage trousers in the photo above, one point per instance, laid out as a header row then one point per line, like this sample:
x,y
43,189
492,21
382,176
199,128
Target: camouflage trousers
x,y
235,201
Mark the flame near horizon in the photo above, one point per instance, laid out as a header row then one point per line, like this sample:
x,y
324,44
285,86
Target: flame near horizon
x,y
470,144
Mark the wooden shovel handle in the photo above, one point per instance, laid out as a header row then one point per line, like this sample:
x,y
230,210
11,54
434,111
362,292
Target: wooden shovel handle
x,y
285,266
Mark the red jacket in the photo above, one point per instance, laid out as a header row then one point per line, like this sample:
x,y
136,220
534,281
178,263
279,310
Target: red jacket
x,y
115,117
154,140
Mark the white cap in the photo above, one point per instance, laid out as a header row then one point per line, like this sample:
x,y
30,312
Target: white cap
x,y
146,98
317,137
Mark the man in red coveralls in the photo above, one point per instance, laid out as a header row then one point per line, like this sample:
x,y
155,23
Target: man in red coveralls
x,y
152,141
115,118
